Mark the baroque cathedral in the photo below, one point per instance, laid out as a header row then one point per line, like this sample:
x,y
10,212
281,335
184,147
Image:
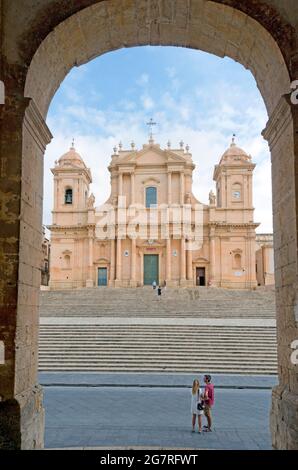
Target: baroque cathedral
x,y
152,228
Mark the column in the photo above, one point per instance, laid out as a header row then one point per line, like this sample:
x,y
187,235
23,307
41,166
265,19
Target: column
x,y
168,259
212,259
228,191
283,141
133,263
132,188
169,187
23,139
119,261
90,256
253,274
250,190
182,260
90,280
189,262
182,191
245,191
112,261
120,184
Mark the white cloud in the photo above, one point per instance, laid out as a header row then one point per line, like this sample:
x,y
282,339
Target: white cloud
x,y
127,105
143,80
171,72
147,102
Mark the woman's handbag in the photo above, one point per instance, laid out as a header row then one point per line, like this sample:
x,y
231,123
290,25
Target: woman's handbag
x,y
200,406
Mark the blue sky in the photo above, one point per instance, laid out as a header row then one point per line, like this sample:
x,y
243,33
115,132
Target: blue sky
x,y
193,96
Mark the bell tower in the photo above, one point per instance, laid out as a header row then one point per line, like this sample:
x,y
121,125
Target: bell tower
x,y
233,176
71,189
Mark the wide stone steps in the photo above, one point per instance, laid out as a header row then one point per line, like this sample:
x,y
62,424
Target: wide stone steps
x,y
183,313
158,348
142,302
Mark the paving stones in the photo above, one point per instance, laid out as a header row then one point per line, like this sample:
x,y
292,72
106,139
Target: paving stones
x,y
146,417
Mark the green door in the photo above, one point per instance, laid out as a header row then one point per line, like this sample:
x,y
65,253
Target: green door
x,y
150,269
102,276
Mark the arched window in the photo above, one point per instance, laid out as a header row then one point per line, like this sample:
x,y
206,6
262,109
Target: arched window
x,y
237,261
151,196
68,196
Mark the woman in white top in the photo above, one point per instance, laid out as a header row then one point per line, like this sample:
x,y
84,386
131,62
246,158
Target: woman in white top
x,y
196,393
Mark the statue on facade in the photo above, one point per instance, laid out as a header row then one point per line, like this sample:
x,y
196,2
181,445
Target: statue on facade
x,y
211,198
187,198
91,201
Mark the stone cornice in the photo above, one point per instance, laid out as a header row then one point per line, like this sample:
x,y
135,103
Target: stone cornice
x,y
54,228
218,169
233,225
73,172
237,166
65,211
231,209
278,121
36,126
171,166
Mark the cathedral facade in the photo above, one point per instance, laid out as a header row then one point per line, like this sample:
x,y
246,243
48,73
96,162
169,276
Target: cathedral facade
x,y
152,228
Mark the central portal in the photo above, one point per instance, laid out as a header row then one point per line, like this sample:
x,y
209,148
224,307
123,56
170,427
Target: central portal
x,y
151,273
102,277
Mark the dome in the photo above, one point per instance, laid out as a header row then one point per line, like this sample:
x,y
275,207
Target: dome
x,y
234,154
71,158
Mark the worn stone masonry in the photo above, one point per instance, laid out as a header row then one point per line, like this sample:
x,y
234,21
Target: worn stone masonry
x,y
40,43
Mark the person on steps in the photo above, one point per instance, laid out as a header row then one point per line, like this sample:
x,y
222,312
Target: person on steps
x,y
159,293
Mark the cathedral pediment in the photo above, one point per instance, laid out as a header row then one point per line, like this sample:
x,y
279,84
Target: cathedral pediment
x,y
131,158
174,158
151,155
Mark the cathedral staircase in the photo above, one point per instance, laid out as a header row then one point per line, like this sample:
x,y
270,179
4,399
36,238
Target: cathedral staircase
x,y
142,302
129,330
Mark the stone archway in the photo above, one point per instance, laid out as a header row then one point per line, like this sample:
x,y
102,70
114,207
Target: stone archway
x,y
34,70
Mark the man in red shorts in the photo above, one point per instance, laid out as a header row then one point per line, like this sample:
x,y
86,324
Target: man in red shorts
x,y
208,398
